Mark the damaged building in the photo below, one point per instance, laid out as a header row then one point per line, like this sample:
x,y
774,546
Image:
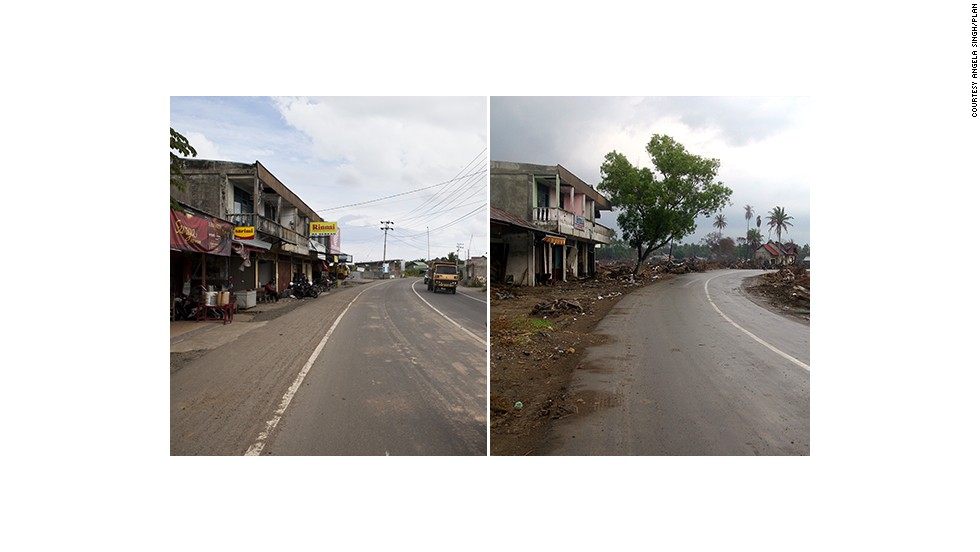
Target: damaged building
x,y
239,225
543,225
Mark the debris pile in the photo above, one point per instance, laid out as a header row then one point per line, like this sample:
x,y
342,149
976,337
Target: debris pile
x,y
557,306
745,263
680,266
789,287
503,293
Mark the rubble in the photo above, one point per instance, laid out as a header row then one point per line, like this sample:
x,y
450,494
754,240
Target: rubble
x,y
533,356
557,306
788,287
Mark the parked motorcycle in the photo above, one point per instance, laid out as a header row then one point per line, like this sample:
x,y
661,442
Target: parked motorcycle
x,y
323,284
301,287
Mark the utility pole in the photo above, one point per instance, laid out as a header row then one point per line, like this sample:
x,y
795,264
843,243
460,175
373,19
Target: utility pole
x,y
384,253
428,250
459,248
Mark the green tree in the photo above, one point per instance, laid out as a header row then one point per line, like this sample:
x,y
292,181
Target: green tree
x,y
720,222
616,250
662,205
754,239
779,221
182,146
748,218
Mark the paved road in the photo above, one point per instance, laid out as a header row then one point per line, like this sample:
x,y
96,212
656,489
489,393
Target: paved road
x,y
681,375
371,370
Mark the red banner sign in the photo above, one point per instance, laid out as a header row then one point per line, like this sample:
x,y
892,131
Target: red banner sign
x,y
199,233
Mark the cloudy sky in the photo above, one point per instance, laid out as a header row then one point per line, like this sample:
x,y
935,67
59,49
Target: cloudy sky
x,y
762,143
341,155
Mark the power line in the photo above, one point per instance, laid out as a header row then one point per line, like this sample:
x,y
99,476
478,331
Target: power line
x,y
450,199
396,195
447,225
481,170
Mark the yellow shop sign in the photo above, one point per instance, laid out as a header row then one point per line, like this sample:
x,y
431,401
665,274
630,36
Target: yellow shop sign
x,y
320,228
244,232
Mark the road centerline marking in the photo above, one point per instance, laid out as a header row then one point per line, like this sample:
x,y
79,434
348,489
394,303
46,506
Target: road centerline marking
x,y
792,359
270,425
451,321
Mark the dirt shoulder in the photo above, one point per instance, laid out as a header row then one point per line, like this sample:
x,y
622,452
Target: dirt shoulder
x,y
785,291
538,337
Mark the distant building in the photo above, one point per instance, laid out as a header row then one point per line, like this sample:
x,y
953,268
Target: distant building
x,y
776,254
392,268
475,271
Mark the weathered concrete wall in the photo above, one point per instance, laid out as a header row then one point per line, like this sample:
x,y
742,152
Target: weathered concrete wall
x,y
205,192
511,193
476,271
207,187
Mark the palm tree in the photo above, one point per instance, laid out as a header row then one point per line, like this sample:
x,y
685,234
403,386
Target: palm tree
x,y
720,222
748,217
779,221
754,238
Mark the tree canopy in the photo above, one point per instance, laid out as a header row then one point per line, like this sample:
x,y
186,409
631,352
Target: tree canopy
x,y
660,205
181,145
779,221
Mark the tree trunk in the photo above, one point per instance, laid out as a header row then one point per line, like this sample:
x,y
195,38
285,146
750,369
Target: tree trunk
x,y
640,257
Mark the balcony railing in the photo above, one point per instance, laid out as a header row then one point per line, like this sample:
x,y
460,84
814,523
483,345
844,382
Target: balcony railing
x,y
564,222
270,227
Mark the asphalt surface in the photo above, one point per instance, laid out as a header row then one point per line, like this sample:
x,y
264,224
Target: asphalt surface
x,y
678,377
393,376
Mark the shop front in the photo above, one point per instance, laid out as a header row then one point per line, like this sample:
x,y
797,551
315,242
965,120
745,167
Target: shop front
x,y
200,252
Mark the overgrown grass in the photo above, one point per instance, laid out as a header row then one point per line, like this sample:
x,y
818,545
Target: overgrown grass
x,y
513,331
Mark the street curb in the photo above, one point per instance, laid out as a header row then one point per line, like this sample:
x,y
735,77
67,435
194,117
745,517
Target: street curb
x,y
178,338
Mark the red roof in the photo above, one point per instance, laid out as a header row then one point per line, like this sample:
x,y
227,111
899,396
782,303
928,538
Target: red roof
x,y
775,252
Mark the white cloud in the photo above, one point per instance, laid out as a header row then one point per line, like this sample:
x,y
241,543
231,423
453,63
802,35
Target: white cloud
x,y
335,152
205,148
764,144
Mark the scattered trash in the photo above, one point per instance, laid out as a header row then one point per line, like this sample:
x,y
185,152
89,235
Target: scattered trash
x,y
518,405
557,306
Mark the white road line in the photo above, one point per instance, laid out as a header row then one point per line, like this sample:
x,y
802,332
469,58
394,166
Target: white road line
x,y
451,321
259,444
468,296
750,334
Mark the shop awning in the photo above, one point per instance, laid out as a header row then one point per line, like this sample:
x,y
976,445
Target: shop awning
x,y
557,240
254,244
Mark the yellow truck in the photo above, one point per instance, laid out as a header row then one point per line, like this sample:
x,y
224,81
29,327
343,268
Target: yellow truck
x,y
442,276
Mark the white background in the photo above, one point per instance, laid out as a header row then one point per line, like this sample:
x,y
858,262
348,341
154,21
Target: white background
x,y
894,380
